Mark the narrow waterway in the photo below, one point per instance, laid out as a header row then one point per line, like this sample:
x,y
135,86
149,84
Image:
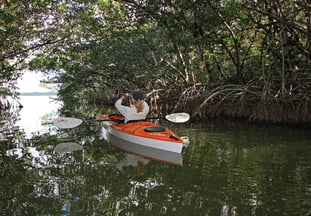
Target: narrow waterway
x,y
229,168
36,111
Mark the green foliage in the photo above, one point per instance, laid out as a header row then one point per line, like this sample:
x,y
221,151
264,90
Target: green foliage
x,y
27,27
100,45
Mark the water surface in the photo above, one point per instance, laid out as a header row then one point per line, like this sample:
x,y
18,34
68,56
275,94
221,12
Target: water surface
x,y
229,168
37,110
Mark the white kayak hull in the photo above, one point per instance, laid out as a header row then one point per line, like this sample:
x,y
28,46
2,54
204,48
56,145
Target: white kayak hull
x,y
147,152
147,142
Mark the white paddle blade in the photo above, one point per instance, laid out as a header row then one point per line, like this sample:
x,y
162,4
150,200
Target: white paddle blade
x,y
67,147
178,117
67,122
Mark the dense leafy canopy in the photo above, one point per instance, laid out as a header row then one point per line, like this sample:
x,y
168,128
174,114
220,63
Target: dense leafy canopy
x,y
197,53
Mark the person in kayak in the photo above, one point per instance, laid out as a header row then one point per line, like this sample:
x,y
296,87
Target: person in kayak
x,y
138,109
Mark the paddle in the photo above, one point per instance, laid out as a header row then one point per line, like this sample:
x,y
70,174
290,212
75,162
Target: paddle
x,y
69,122
173,117
178,117
67,147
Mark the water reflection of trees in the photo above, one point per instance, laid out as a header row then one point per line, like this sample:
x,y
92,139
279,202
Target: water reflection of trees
x,y
250,170
228,169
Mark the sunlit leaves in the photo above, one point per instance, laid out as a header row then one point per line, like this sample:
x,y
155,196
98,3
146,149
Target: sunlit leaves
x,y
97,45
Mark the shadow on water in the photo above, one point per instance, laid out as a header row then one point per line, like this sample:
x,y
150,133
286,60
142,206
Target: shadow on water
x,y
229,169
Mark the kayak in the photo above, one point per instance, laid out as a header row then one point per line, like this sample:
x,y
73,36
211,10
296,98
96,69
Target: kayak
x,y
142,151
143,133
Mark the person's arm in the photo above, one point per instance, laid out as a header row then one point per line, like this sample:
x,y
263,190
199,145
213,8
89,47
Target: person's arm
x,y
146,108
119,106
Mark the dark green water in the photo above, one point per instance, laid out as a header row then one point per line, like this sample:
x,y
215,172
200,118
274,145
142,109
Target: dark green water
x,y
228,169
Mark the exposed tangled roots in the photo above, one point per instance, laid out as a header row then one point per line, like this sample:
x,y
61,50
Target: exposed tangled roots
x,y
252,101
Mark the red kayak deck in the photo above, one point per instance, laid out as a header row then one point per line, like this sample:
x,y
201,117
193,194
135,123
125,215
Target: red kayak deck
x,y
148,130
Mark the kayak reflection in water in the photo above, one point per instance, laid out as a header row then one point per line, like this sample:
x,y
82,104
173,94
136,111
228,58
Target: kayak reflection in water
x,y
138,109
132,165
